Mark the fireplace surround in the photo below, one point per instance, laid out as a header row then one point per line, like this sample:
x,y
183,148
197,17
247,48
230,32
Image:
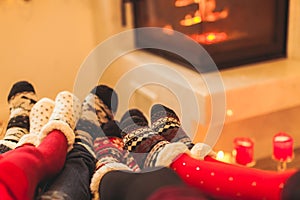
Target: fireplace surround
x,y
234,33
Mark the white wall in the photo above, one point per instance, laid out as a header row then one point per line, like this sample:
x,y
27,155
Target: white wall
x,y
43,42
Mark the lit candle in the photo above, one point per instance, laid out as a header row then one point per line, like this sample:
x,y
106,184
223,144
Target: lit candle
x,y
283,147
244,151
224,156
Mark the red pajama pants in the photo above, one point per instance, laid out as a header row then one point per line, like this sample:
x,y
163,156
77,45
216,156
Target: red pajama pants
x,y
226,181
23,168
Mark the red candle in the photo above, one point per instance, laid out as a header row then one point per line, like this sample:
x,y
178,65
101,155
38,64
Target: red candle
x,y
244,150
283,147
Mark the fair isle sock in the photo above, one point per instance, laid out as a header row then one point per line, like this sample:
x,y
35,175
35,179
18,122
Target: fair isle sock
x,y
140,140
112,133
39,116
165,122
88,125
134,113
106,104
20,99
98,108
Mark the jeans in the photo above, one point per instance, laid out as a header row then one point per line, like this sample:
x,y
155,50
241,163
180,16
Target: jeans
x,y
73,182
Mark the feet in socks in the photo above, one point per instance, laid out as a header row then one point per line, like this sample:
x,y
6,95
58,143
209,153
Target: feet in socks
x,y
64,117
110,155
21,99
98,108
165,122
39,116
148,147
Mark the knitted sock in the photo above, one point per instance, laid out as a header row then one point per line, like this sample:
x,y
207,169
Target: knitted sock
x,y
134,113
64,117
226,181
165,122
109,147
21,98
145,144
97,109
106,104
39,116
110,154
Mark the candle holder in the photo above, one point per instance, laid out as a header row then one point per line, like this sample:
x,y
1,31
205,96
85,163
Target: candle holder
x,y
244,151
283,150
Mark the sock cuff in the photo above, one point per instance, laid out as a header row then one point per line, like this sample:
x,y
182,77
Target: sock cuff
x,y
98,175
170,152
63,127
29,139
201,150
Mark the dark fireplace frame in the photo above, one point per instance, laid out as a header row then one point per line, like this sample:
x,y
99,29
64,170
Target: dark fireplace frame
x,y
224,59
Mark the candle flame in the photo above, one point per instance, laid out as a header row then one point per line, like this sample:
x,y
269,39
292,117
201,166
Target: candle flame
x,y
220,155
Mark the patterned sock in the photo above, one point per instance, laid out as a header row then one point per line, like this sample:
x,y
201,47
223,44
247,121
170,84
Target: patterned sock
x,y
39,116
106,104
112,139
145,144
97,109
165,122
134,113
21,98
64,117
110,154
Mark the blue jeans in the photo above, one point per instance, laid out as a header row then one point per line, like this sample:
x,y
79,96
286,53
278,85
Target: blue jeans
x,y
73,182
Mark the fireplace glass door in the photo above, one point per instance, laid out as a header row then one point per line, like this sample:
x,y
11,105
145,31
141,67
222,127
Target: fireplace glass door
x,y
233,32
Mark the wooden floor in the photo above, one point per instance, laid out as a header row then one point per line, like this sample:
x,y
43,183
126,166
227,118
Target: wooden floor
x,y
270,164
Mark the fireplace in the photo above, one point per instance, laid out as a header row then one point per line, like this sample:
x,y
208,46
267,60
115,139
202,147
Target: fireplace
x,y
233,32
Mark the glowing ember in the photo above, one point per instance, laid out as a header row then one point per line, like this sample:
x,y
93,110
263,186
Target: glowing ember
x,y
190,20
206,12
209,38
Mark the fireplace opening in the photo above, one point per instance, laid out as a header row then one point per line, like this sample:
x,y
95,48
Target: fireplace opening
x,y
233,32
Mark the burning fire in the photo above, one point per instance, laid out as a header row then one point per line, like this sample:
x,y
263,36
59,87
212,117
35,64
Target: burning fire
x,y
204,13
210,38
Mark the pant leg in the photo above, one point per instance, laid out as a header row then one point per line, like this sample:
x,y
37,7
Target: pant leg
x,y
126,185
24,167
73,182
227,181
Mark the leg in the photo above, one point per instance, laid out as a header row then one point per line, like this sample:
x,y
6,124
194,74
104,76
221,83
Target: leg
x,y
74,180
226,181
24,167
136,186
